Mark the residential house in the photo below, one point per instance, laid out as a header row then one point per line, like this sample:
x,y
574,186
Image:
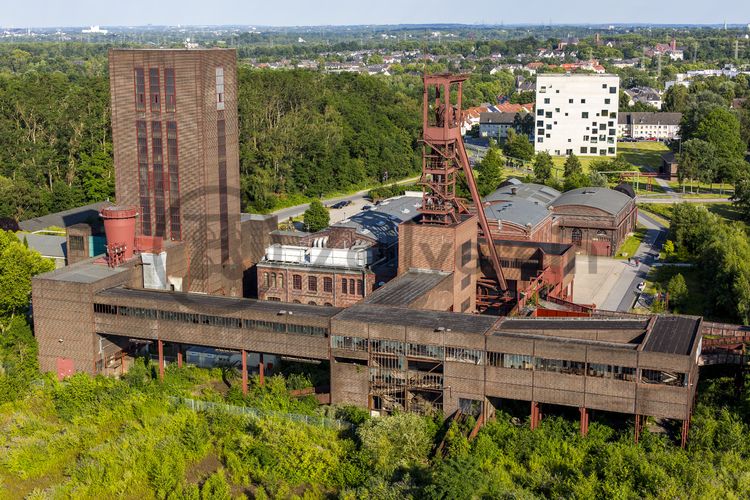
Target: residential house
x,y
647,125
644,95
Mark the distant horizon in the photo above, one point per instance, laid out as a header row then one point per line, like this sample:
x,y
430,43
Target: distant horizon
x,y
346,13
388,25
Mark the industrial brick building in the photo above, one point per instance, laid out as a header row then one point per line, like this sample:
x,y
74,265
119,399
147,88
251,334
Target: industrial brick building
x,y
175,138
415,343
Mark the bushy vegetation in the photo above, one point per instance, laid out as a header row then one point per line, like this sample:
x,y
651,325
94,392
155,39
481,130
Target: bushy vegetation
x,y
97,438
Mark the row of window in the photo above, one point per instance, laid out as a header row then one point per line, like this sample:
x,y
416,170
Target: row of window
x,y
348,285
154,90
504,360
210,320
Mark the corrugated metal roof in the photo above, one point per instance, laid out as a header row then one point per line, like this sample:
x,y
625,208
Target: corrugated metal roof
x,y
605,199
525,190
673,335
517,211
381,221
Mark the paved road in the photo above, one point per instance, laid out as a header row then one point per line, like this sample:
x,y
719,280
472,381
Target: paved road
x,y
356,198
680,199
624,293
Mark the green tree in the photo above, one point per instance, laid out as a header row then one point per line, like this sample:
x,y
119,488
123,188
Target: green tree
x,y
741,197
216,487
721,128
576,180
18,265
96,173
676,99
677,289
490,172
697,161
18,359
316,217
518,146
572,166
542,167
401,440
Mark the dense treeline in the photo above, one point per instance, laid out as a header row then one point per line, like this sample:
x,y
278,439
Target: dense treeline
x,y
55,142
721,251
314,133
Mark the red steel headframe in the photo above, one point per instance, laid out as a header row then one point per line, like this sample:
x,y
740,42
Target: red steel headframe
x,y
443,155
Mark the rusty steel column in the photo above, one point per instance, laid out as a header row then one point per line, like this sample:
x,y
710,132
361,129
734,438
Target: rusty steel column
x,y
262,370
244,372
685,429
179,356
584,421
535,415
637,427
160,346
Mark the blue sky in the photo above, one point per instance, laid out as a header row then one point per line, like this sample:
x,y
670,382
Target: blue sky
x,y
22,13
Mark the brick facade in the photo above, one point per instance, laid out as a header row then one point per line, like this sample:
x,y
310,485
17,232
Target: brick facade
x,y
205,210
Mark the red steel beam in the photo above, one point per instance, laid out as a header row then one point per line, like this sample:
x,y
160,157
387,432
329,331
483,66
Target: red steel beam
x,y
160,346
244,372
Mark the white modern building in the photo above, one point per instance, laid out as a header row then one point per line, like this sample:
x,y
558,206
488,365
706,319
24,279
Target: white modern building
x,y
577,114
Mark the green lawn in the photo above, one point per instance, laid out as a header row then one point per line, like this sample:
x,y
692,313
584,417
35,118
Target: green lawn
x,y
702,189
630,246
642,154
657,212
559,162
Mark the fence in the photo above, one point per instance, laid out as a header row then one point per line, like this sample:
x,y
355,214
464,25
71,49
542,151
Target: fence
x,y
198,405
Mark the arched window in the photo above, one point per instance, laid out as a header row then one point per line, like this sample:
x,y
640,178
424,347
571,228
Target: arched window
x,y
328,304
312,283
265,280
312,303
297,282
281,280
328,285
273,280
577,236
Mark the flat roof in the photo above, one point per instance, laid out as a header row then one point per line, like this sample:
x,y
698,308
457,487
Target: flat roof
x,y
673,334
401,316
65,218
47,245
405,289
573,324
228,304
84,272
568,340
261,217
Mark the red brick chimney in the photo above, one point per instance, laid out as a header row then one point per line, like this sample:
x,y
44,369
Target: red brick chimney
x,y
673,44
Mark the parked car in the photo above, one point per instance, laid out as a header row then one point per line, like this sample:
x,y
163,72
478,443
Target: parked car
x,y
367,207
341,204
641,286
